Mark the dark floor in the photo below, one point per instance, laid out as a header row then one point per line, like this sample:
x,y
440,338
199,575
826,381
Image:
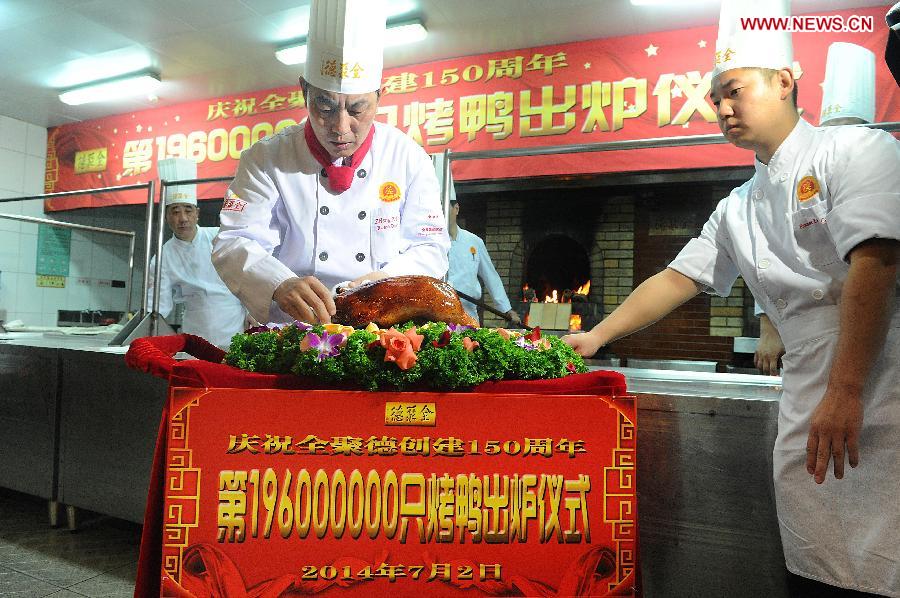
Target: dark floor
x,y
99,559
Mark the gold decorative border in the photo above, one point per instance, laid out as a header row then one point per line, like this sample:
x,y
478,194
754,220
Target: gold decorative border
x,y
182,484
620,496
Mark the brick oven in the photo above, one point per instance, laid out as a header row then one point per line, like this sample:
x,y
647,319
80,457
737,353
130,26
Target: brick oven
x,y
559,235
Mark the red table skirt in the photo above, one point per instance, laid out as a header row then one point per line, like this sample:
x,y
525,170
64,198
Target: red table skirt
x,y
155,355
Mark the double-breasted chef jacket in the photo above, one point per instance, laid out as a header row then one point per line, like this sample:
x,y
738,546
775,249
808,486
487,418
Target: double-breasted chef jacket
x,y
469,260
788,231
188,276
281,220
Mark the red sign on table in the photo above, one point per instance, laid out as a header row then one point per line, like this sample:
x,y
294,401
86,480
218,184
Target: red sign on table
x,y
350,493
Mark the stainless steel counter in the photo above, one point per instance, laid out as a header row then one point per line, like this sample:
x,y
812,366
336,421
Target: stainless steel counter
x,y
80,426
705,495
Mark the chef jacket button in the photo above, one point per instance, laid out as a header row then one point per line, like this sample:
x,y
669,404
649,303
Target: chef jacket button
x,y
763,264
323,173
361,215
360,257
784,177
781,304
323,210
757,194
818,294
323,256
361,173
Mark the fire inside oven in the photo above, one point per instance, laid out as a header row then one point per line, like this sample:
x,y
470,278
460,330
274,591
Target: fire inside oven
x,y
556,290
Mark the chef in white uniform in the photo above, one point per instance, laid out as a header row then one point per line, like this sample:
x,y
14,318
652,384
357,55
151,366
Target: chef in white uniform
x,y
188,276
816,236
848,98
336,198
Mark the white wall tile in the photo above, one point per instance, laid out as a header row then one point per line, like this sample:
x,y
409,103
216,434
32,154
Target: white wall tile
x,y
13,134
101,262
53,300
9,207
9,252
33,183
12,170
78,296
33,207
9,283
36,141
79,258
28,297
27,254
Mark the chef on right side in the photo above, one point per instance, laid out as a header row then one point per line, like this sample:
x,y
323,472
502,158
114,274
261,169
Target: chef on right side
x,y
816,236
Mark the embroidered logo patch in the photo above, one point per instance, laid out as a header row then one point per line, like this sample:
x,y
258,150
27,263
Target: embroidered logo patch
x,y
389,192
233,203
807,188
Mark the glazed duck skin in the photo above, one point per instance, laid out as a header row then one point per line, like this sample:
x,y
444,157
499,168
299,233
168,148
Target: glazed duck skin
x,y
399,299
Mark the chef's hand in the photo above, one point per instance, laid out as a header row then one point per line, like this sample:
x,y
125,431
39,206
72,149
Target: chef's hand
x,y
769,349
835,423
371,276
584,343
305,299
514,318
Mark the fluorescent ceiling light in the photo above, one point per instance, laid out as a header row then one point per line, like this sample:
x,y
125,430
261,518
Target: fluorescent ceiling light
x,y
106,90
669,3
402,32
405,32
292,54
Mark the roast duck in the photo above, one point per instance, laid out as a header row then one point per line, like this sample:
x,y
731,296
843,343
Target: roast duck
x,y
400,299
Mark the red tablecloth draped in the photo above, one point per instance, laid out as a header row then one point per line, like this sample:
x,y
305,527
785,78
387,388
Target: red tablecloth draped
x,y
156,356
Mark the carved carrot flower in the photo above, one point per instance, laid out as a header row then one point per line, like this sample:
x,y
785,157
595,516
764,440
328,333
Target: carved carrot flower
x,y
398,348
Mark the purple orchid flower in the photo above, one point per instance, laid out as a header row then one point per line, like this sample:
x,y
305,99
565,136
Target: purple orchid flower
x,y
328,345
524,343
302,326
458,327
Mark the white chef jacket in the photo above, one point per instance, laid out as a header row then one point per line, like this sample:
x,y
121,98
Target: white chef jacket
x,y
788,232
188,276
281,220
469,259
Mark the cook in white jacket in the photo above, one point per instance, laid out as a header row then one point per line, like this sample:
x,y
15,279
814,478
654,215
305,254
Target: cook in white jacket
x,y
816,236
188,276
336,198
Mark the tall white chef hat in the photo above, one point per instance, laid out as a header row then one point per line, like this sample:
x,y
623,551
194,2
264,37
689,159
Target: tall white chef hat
x,y
178,169
744,41
849,89
345,45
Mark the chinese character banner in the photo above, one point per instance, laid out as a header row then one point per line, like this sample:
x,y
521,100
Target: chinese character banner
x,y
272,492
634,87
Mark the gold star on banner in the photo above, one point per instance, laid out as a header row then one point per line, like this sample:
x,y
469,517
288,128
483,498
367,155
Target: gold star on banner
x,y
702,43
138,128
676,93
149,129
587,65
651,50
177,118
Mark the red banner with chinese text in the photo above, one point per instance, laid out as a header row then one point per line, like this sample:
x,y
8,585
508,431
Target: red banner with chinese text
x,y
271,492
634,87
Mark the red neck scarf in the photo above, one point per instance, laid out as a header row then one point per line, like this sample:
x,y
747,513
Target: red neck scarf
x,y
339,177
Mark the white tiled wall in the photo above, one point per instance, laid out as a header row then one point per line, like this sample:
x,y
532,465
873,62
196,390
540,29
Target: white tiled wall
x,y
94,257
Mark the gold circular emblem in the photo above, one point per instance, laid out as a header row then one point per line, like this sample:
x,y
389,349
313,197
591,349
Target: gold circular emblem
x,y
807,187
389,192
